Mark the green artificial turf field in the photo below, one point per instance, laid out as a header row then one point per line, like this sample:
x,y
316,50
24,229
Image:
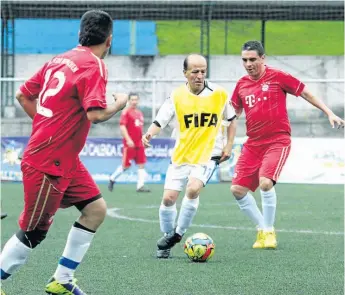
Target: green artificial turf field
x,y
309,258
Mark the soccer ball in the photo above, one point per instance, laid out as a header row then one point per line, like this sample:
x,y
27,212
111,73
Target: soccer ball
x,y
199,247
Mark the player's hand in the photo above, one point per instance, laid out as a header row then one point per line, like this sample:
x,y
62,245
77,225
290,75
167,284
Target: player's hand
x,y
130,143
226,153
336,121
120,99
146,140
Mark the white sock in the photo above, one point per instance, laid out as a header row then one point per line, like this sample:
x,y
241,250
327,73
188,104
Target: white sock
x,y
167,216
249,207
78,242
116,173
187,213
141,177
269,204
13,256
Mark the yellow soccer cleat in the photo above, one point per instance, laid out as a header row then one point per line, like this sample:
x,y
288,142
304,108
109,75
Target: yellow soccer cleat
x,y
270,240
2,293
71,288
260,240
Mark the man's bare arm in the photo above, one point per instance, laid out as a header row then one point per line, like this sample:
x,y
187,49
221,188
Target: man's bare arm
x,y
164,116
312,99
125,135
151,132
29,106
238,112
97,115
231,132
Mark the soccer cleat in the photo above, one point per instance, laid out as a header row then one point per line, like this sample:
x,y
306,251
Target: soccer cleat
x,y
2,292
143,189
111,185
270,241
260,240
3,215
169,240
71,288
163,254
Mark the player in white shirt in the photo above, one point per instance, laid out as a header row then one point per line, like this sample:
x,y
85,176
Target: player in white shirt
x,y
166,115
199,108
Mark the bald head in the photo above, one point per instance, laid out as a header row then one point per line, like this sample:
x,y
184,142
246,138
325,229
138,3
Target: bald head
x,y
194,69
194,59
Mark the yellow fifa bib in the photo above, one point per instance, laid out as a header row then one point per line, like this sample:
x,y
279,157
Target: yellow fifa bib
x,y
199,119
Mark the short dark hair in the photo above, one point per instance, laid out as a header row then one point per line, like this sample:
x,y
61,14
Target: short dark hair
x,y
254,45
132,94
95,27
185,62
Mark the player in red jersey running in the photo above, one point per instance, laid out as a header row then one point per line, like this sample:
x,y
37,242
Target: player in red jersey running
x,y
262,95
63,98
131,126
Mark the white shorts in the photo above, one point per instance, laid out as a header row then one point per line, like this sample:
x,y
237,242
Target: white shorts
x,y
177,176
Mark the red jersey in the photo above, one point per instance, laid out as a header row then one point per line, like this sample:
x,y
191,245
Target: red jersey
x,y
133,119
264,103
66,87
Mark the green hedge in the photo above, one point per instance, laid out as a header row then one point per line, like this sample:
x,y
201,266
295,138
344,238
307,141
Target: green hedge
x,y
282,37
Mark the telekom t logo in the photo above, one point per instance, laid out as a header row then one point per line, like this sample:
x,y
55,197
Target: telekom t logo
x,y
250,100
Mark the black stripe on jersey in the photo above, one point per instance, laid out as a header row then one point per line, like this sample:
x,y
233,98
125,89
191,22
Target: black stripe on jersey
x,y
157,124
205,86
216,159
201,91
229,120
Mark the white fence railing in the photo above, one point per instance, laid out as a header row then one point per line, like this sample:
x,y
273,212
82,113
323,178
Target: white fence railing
x,y
153,91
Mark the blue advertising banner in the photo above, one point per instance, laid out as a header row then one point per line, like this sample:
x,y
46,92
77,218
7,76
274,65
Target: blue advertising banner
x,y
101,156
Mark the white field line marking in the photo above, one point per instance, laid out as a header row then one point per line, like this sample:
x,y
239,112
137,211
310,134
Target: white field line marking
x,y
114,213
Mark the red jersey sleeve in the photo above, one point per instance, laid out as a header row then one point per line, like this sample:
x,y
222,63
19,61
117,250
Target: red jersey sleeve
x,y
290,84
236,101
32,87
92,89
124,118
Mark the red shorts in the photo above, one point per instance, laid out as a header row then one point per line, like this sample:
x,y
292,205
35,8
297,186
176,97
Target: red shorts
x,y
266,160
136,153
45,194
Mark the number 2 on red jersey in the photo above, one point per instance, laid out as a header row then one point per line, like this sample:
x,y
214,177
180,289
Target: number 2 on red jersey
x,y
47,93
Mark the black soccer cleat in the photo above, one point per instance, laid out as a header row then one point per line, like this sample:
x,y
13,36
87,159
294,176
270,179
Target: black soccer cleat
x,y
143,189
3,215
163,254
111,185
169,240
